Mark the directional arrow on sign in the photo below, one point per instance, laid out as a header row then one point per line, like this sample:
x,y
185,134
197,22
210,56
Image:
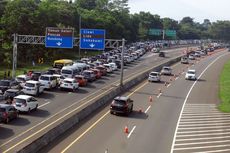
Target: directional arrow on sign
x,y
92,45
59,43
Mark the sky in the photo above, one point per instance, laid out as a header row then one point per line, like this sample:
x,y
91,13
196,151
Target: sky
x,y
177,9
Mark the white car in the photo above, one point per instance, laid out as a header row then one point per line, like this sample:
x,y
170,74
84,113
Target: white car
x,y
166,70
21,79
191,57
113,66
69,83
32,87
190,74
108,68
49,81
25,103
154,76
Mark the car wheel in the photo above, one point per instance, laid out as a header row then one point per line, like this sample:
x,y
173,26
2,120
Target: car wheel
x,y
111,112
131,110
37,93
7,120
29,110
36,107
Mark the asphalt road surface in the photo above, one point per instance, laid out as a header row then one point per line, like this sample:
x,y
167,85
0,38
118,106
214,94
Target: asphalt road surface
x,y
181,118
55,104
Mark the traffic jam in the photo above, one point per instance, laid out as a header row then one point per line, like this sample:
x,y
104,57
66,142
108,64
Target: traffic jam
x,y
20,94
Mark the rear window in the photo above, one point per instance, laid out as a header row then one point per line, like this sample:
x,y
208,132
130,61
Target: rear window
x,y
153,74
119,102
66,71
2,109
20,79
166,68
30,85
65,81
4,83
44,78
22,101
191,72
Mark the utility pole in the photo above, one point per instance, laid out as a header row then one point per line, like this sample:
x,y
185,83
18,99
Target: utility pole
x,y
163,34
15,52
79,51
122,61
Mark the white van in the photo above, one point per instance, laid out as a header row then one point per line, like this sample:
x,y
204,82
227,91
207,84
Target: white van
x,y
113,66
70,71
49,81
108,68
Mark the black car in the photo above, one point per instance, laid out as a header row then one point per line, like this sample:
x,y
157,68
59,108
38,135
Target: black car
x,y
35,75
11,93
7,84
123,105
53,71
7,113
161,54
118,63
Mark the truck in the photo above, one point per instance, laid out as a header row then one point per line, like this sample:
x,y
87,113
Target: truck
x,y
32,87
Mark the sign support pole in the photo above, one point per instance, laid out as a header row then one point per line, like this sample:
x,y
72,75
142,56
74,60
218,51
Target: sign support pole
x,y
15,52
122,62
79,51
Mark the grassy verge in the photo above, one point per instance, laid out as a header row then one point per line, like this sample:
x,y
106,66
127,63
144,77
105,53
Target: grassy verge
x,y
19,71
224,92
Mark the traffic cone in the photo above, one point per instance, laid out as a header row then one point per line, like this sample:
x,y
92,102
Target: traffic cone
x,y
126,130
150,99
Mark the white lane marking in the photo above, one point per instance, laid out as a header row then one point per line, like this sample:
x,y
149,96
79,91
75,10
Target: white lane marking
x,y
206,142
174,138
43,104
195,104
200,122
205,131
214,127
205,119
190,148
131,131
168,85
207,138
205,134
212,113
205,116
147,109
215,151
159,95
196,125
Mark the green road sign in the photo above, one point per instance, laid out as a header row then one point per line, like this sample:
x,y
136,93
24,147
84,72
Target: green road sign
x,y
155,32
170,33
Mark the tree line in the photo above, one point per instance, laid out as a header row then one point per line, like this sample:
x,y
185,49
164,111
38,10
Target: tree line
x,y
31,17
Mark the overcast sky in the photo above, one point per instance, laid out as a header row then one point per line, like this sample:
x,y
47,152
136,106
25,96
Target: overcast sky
x,y
177,9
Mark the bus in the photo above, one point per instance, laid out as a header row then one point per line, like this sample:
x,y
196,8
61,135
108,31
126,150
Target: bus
x,y
62,62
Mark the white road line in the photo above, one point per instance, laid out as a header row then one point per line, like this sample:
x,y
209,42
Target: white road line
x,y
206,142
198,122
214,127
207,138
203,113
159,95
205,134
195,104
205,116
205,119
168,85
131,131
191,148
205,131
198,125
147,109
176,78
191,114
190,90
215,151
43,104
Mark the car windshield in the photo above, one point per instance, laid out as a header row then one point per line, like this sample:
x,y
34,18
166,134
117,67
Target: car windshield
x,y
44,78
191,72
67,81
119,102
18,100
30,85
153,74
4,83
86,73
2,109
166,69
20,79
66,72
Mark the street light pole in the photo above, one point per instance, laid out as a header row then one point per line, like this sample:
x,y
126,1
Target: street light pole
x,y
122,61
79,51
15,51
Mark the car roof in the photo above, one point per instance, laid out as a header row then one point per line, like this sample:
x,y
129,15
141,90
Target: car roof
x,y
192,70
23,97
13,90
168,67
47,75
69,79
5,105
154,72
22,75
121,98
32,81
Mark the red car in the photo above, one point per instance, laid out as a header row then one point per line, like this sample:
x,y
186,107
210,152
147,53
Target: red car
x,y
102,69
81,80
97,73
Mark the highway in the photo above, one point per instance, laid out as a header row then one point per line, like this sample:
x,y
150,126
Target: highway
x,y
54,105
181,118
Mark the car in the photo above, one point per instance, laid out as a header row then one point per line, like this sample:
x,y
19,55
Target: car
x,y
161,54
69,83
81,80
11,93
184,60
113,66
166,70
191,57
59,78
35,75
53,71
49,81
154,77
97,73
89,75
7,84
190,74
197,54
122,105
7,113
21,79
108,67
33,88
25,103
102,69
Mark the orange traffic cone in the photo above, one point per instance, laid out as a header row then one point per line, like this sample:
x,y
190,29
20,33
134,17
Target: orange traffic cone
x,y
150,99
126,130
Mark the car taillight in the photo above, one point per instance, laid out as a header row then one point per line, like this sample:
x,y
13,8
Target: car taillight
x,y
5,114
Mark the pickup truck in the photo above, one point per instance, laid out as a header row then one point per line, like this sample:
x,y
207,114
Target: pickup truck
x,y
33,88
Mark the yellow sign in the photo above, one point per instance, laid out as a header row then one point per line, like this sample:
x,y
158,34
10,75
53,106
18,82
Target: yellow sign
x,y
40,61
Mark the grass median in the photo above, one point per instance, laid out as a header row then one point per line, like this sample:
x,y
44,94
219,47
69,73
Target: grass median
x,y
224,92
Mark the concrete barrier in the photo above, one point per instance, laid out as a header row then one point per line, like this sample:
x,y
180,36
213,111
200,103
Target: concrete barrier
x,y
80,115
